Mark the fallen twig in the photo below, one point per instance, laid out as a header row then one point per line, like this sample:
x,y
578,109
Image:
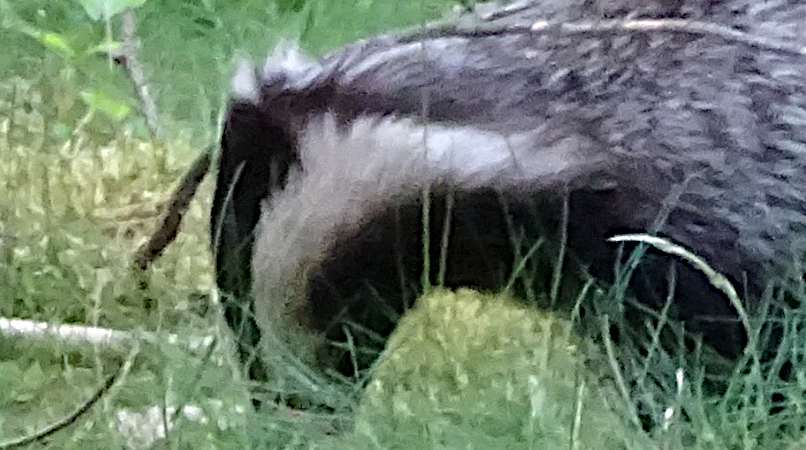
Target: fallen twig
x,y
94,335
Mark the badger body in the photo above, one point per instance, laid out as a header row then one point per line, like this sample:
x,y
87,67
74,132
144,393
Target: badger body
x,y
517,128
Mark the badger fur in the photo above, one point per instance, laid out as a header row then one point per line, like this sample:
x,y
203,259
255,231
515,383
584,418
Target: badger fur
x,y
577,118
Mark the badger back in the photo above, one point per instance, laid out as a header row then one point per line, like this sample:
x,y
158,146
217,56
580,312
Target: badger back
x,y
692,130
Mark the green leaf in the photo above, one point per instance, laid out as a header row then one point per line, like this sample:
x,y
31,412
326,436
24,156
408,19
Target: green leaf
x,y
57,43
52,41
103,9
99,101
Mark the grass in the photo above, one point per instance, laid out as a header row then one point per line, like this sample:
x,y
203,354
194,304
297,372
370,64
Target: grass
x,y
80,190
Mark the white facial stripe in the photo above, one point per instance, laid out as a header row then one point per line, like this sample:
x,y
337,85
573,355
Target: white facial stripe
x,y
351,173
463,155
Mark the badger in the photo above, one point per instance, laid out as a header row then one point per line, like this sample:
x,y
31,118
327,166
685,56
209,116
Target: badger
x,y
348,184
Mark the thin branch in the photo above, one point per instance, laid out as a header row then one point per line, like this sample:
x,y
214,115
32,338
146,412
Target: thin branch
x,y
135,71
74,416
78,334
178,204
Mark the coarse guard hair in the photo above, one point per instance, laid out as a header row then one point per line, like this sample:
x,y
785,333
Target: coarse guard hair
x,y
570,120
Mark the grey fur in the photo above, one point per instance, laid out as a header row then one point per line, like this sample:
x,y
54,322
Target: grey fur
x,y
697,135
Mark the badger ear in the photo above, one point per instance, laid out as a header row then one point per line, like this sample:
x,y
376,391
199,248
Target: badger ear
x,y
288,64
244,85
285,67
